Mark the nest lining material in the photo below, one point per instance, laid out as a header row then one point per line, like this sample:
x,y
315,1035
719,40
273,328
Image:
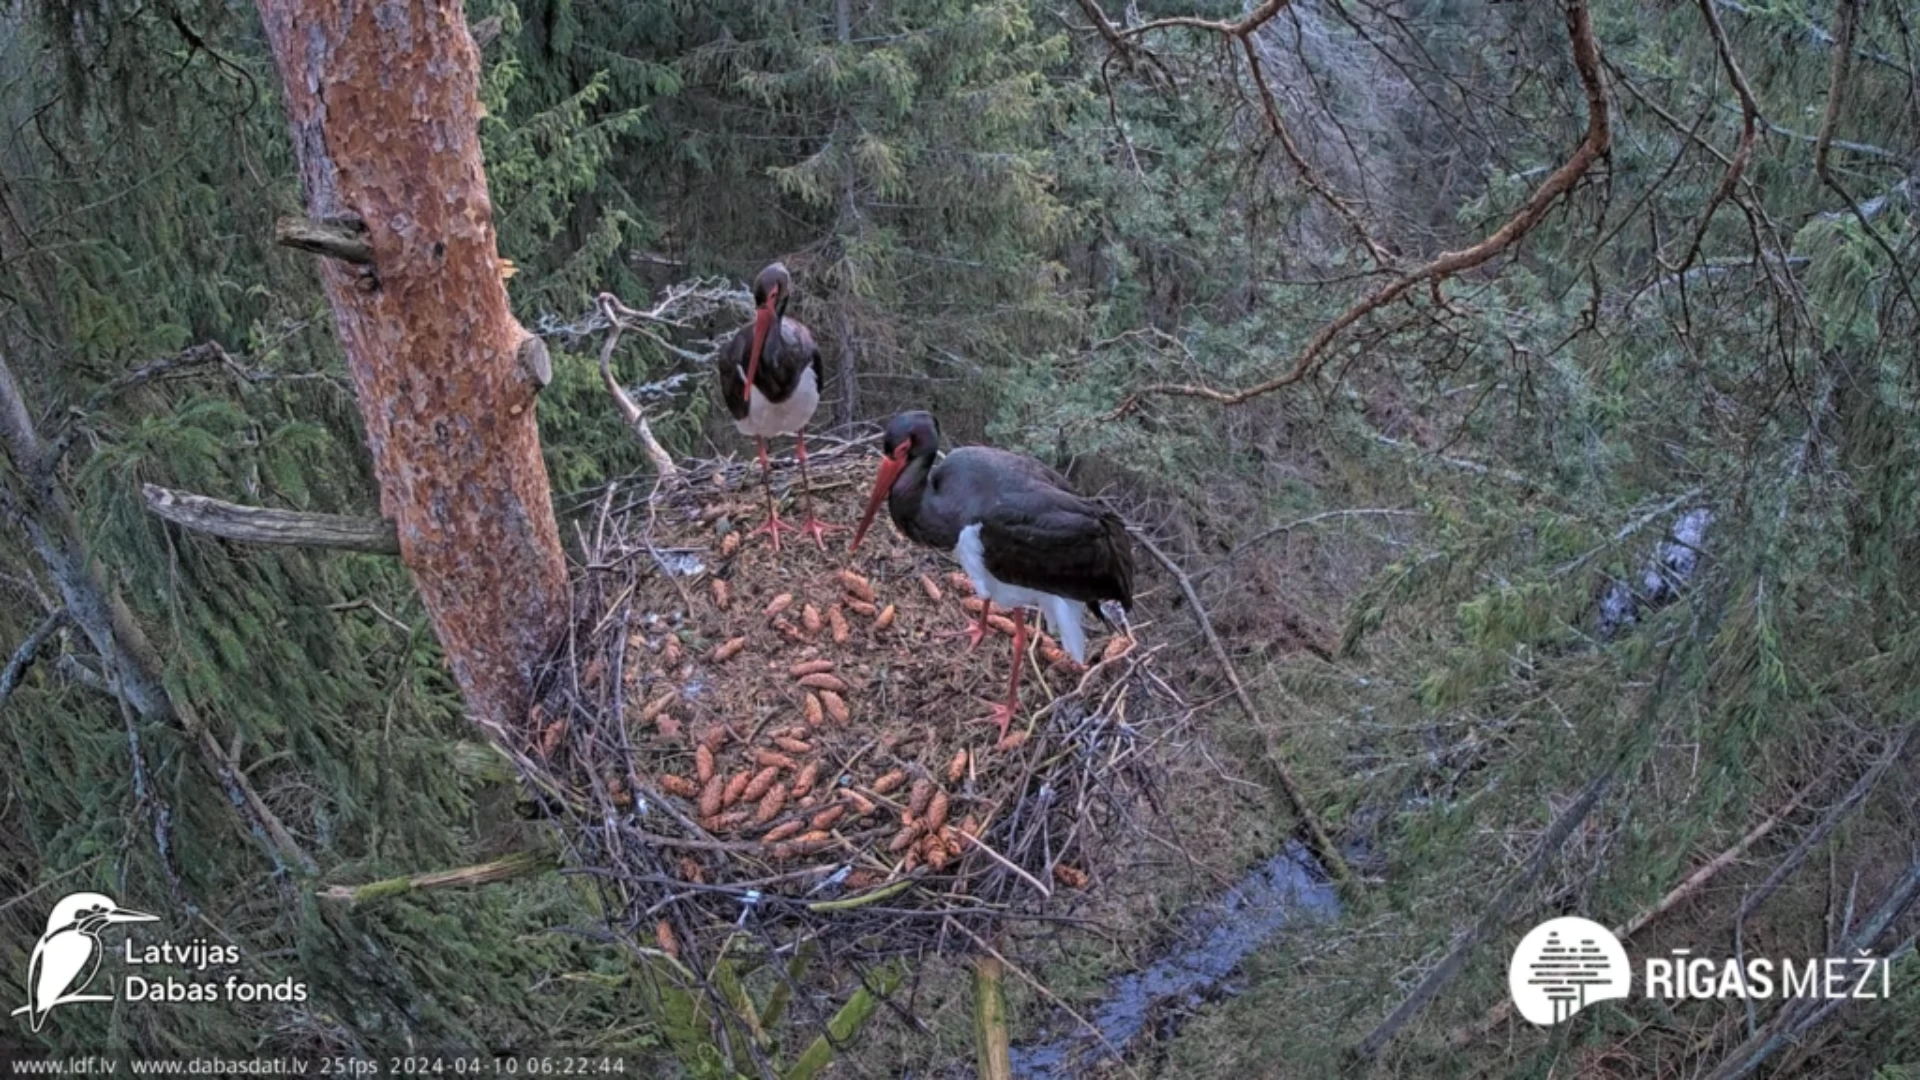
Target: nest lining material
x,y
793,739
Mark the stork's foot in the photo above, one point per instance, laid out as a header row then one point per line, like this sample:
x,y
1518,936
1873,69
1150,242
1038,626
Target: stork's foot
x,y
774,527
975,633
818,529
1001,717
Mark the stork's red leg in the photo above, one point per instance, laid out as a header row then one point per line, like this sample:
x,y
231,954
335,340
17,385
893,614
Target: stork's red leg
x,y
1003,713
774,524
810,526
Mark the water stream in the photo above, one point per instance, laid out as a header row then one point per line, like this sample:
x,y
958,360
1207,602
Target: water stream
x,y
1212,941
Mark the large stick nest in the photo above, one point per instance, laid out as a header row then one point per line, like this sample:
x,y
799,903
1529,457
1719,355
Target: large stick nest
x,y
788,744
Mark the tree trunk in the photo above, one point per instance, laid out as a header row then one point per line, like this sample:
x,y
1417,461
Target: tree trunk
x,y
383,100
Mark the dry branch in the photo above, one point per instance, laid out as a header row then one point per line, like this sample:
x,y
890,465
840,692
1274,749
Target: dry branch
x,y
343,240
617,315
263,525
1317,836
1491,919
24,656
507,869
1749,125
1586,60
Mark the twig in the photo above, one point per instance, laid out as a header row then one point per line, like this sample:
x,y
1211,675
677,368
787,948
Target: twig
x,y
1494,915
1003,861
1312,519
1308,175
1749,121
1801,1015
1586,60
507,869
1317,838
1832,820
29,650
616,312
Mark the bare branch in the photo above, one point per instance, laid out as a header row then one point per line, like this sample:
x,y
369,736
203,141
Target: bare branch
x,y
1491,918
343,240
1749,123
616,314
1317,836
1308,175
29,650
263,525
1586,59
1834,816
1253,20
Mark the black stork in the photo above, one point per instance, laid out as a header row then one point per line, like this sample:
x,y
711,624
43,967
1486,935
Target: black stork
x,y
771,384
1024,537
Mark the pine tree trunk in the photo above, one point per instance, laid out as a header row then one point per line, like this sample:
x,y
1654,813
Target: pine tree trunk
x,y
383,100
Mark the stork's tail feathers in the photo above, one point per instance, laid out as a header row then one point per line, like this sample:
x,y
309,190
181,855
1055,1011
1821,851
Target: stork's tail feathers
x,y
1065,617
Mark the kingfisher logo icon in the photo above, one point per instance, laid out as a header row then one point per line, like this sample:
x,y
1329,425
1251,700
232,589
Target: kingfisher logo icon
x,y
68,955
1564,965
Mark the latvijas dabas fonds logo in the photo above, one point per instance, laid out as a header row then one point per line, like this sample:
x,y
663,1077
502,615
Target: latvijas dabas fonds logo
x,y
1564,965
65,966
68,955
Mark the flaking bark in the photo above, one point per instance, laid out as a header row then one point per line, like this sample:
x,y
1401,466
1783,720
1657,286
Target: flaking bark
x,y
383,101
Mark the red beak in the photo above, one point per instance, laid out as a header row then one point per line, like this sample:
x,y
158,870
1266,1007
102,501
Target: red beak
x,y
890,468
762,324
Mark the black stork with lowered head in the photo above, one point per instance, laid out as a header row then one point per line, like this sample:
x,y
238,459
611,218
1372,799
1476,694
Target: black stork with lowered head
x,y
770,382
1024,537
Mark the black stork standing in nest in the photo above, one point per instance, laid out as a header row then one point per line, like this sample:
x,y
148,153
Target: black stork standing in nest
x,y
1024,537
771,384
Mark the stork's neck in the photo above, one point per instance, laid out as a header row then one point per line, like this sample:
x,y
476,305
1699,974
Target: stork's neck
x,y
909,491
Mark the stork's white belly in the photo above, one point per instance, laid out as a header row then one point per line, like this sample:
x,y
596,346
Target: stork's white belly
x,y
1061,613
766,419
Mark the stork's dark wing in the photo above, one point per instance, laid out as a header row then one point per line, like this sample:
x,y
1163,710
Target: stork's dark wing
x,y
786,359
1046,538
731,367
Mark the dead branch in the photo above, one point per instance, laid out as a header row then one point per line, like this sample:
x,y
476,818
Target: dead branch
x,y
1491,919
100,613
526,864
343,240
1253,20
1312,519
29,650
1749,125
1830,821
616,314
1823,143
1317,836
1586,59
1820,36
264,525
1801,1015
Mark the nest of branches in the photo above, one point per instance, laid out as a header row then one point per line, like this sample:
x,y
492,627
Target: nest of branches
x,y
788,744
